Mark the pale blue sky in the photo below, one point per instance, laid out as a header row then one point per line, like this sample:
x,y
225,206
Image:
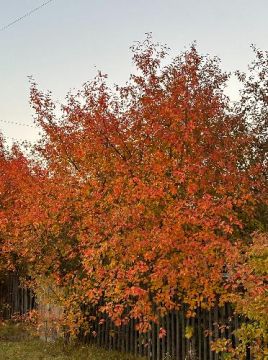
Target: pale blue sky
x,y
62,44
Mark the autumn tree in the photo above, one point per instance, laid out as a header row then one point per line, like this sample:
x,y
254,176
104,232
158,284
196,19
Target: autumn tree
x,y
149,190
142,196
247,283
14,175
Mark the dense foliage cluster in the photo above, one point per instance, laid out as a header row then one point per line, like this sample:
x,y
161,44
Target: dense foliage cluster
x,y
142,197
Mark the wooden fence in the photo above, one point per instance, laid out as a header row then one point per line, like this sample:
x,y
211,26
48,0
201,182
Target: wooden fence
x,y
185,339
14,299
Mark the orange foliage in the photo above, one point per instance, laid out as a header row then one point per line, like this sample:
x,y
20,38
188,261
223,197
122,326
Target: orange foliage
x,y
143,192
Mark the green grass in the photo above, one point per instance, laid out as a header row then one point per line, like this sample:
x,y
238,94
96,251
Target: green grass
x,y
15,344
34,349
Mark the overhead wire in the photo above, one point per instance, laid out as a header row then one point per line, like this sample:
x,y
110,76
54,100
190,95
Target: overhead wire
x,y
29,13
5,27
18,123
15,139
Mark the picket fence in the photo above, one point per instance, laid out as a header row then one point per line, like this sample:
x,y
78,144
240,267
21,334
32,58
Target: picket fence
x,y
14,299
185,338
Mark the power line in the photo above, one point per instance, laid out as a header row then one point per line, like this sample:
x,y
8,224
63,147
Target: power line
x,y
5,137
20,139
29,13
18,123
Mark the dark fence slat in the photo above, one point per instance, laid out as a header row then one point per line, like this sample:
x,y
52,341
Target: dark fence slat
x,y
14,299
207,326
183,333
199,333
